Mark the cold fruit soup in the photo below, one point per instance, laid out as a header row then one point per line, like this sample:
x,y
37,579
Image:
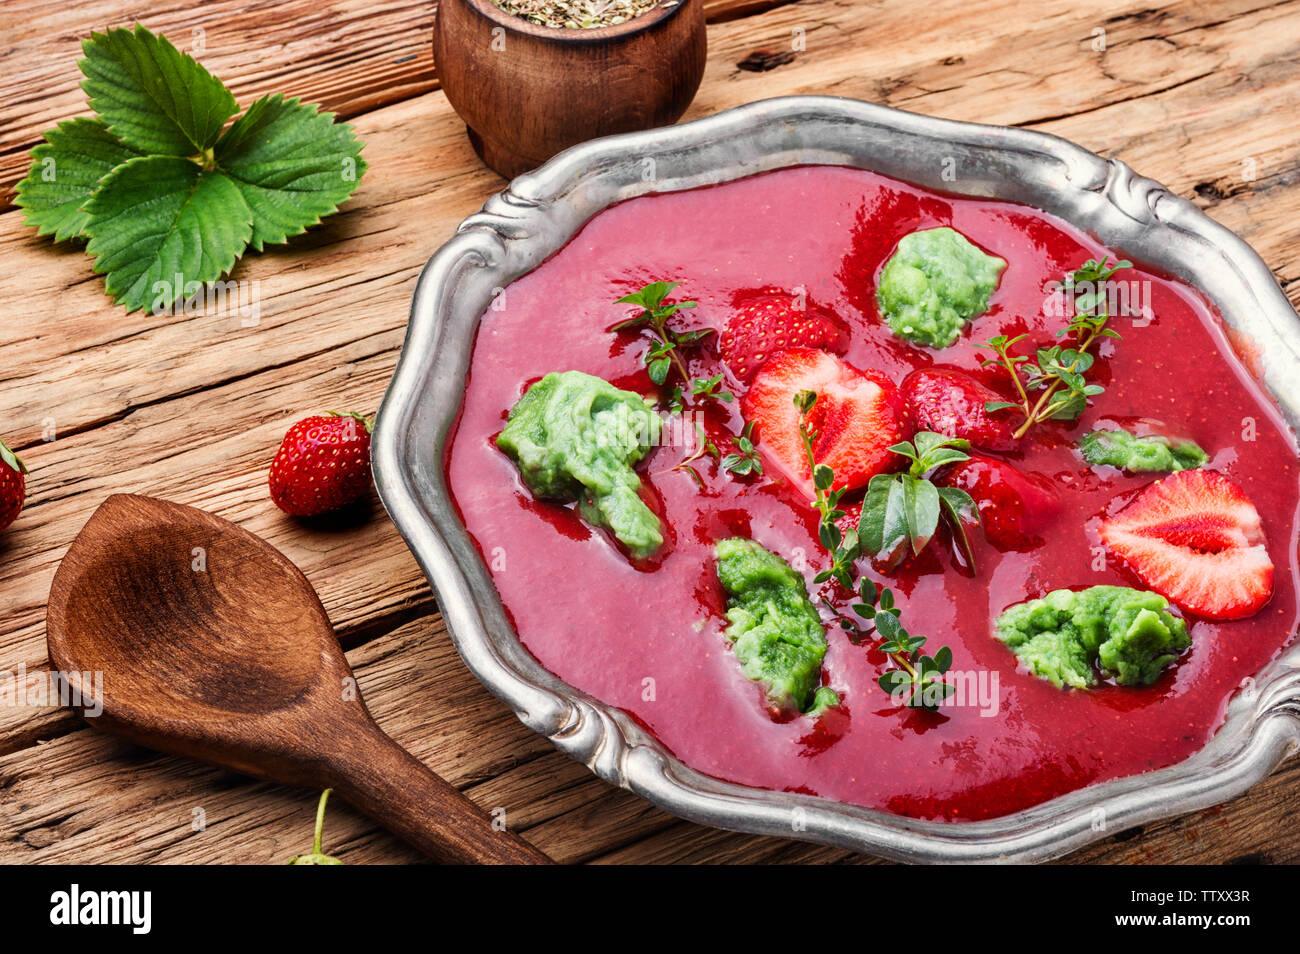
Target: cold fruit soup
x,y
845,487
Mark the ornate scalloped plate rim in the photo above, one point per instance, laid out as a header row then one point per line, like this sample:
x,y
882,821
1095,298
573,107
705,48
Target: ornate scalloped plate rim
x,y
518,228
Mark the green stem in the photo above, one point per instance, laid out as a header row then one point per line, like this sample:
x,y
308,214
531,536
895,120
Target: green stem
x,y
806,436
1015,378
320,823
1037,413
903,664
660,325
1034,415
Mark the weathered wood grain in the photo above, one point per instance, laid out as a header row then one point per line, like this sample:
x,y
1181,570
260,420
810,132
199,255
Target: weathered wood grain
x,y
191,407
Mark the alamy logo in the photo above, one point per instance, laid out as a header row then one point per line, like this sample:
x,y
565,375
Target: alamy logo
x,y
75,906
217,299
1119,299
40,688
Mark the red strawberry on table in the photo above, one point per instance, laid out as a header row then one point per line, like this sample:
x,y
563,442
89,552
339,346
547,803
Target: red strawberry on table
x,y
323,464
858,415
13,486
948,401
1196,538
1015,507
770,323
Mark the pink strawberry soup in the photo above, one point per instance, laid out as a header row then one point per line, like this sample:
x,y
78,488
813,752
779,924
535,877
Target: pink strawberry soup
x,y
648,637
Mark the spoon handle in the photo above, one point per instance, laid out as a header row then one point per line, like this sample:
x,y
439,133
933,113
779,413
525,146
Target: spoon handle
x,y
383,780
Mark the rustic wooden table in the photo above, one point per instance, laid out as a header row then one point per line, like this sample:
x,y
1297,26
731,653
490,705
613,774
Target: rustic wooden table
x,y
1201,96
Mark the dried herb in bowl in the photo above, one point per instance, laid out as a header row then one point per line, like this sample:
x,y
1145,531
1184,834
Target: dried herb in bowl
x,y
580,14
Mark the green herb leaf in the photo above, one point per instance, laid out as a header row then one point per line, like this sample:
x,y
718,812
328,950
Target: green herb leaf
x,y
1068,407
649,296
888,626
924,513
908,483
933,450
875,510
159,223
906,507
153,97
957,507
925,442
959,502
66,170
868,591
894,524
830,535
675,401
905,449
918,678
745,459
293,165
894,680
937,458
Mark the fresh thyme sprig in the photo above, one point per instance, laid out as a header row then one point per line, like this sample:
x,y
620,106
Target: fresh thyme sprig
x,y
744,460
915,670
706,447
843,547
901,511
711,387
699,388
665,356
1058,373
665,353
919,678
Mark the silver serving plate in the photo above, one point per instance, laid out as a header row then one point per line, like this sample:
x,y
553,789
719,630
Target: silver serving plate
x,y
522,226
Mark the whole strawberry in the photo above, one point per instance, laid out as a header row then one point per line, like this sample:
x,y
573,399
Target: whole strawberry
x,y
771,322
323,464
949,401
1015,508
13,486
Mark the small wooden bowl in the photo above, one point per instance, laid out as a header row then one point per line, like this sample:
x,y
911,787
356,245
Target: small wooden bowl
x,y
527,91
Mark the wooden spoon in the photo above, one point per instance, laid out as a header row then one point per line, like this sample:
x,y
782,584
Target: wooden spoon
x,y
213,645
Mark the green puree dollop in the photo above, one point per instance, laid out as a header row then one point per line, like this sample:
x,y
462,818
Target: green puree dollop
x,y
1130,634
934,283
775,631
575,436
1154,453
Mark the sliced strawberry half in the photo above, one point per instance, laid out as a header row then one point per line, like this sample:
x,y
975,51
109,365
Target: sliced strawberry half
x,y
1196,538
858,415
772,322
949,401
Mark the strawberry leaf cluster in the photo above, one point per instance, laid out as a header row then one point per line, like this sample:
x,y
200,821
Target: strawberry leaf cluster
x,y
167,195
